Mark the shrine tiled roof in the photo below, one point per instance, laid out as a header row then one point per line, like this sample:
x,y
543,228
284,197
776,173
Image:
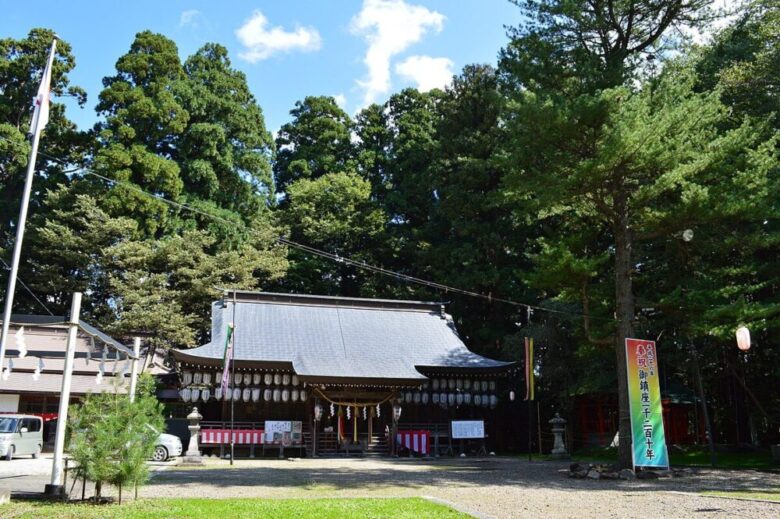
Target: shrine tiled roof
x,y
323,338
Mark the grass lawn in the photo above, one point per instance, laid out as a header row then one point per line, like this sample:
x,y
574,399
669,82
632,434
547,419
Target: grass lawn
x,y
771,495
692,457
412,508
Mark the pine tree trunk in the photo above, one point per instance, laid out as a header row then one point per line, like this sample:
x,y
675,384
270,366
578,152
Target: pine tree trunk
x,y
98,488
624,312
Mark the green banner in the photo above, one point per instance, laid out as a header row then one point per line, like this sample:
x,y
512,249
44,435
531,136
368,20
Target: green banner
x,y
644,396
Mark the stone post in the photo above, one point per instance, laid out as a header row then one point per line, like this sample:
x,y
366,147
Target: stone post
x,y
559,447
192,456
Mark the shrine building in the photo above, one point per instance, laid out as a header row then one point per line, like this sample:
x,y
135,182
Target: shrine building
x,y
339,375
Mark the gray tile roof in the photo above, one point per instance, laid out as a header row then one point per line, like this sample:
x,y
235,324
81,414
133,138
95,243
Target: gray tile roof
x,y
339,337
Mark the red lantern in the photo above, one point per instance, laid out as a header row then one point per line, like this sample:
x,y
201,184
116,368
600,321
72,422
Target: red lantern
x,y
743,338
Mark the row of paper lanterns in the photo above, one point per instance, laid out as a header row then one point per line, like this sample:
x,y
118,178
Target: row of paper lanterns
x,y
246,379
254,394
450,399
461,383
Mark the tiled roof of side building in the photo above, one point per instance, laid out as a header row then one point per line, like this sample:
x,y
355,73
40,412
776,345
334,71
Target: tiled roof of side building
x,y
331,337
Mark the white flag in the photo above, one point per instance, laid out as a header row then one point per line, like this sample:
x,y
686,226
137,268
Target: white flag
x,y
41,115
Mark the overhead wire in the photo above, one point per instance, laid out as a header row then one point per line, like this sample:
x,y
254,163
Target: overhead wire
x,y
338,258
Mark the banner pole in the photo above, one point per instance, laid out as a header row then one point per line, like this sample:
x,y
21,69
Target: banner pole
x,y
233,376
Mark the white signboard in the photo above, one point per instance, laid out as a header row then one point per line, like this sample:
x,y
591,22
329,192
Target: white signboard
x,y
285,433
468,429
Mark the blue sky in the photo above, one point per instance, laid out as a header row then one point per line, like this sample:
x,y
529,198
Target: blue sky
x,y
357,50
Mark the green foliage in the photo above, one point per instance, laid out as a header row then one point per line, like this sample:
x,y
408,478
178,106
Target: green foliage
x,y
112,437
316,142
21,65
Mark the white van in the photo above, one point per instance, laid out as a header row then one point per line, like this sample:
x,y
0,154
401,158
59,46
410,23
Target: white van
x,y
20,434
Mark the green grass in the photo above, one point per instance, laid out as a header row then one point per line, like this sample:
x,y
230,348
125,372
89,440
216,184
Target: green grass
x,y
771,495
411,508
692,456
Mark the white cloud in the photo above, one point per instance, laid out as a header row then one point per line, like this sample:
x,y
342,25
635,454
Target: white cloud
x,y
190,18
427,72
341,100
261,41
389,27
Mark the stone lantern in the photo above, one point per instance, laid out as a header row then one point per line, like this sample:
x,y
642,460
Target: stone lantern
x,y
192,456
559,447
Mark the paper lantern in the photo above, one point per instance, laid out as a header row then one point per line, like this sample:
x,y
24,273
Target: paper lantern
x,y
459,399
268,378
485,400
256,394
443,383
237,378
451,383
425,385
435,398
218,393
443,399
459,383
286,379
185,394
303,396
467,398
197,377
511,396
743,338
484,384
401,398
246,394
205,394
295,380
417,398
186,378
247,379
267,395
286,395
492,385
278,379
236,394
294,395
207,378
425,398
477,400
435,384
467,384
277,395
451,399
195,395
256,378
409,398
493,400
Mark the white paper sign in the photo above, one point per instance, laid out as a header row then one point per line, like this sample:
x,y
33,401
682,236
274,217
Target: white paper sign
x,y
468,429
285,433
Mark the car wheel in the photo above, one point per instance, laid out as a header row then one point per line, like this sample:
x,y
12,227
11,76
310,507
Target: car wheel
x,y
10,454
37,453
160,453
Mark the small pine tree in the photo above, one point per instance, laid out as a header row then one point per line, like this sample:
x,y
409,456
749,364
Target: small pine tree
x,y
113,437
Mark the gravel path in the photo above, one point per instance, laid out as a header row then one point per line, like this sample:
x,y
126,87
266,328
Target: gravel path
x,y
487,487
491,487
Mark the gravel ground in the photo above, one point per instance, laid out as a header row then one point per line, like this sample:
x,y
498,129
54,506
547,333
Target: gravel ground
x,y
487,487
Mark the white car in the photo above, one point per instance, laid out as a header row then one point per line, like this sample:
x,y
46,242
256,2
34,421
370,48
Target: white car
x,y
20,434
168,446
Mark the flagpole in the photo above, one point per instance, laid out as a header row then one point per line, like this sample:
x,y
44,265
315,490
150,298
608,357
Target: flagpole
x,y
9,293
233,376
